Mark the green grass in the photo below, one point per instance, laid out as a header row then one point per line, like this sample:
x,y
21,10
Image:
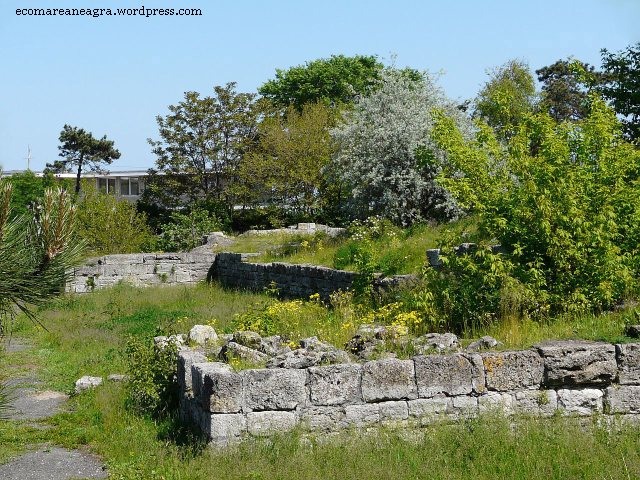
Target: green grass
x,y
86,335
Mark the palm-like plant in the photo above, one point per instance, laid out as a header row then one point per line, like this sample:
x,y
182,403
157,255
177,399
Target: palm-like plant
x,y
36,252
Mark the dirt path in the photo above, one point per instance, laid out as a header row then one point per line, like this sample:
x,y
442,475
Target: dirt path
x,y
32,402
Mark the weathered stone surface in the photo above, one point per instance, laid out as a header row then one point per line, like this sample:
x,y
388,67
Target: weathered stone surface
x,y
216,387
270,422
118,377
622,399
388,379
436,341
322,418
464,403
202,334
186,358
496,401
578,362
484,343
248,339
628,355
222,429
274,389
512,370
429,407
581,402
393,411
87,382
335,384
300,358
274,346
535,402
235,350
448,374
362,415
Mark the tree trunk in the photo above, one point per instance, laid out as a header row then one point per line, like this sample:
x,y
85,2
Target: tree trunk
x,y
78,176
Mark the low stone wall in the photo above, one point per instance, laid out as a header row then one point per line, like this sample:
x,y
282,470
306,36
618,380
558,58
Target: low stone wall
x,y
573,377
291,280
141,269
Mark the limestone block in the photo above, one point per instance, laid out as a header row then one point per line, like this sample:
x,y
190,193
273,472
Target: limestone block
x,y
233,349
270,422
248,339
496,401
362,415
216,387
448,374
429,407
465,403
335,384
628,355
186,358
578,362
393,411
87,382
582,402
274,389
388,379
512,370
622,399
322,418
535,402
223,429
202,334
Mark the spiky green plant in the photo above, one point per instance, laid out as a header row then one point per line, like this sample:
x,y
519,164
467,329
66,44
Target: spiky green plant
x,y
36,252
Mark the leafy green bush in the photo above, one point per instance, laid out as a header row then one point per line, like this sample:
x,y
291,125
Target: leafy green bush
x,y
564,201
186,231
109,226
152,388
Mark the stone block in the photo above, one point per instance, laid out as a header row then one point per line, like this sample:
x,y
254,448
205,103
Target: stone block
x,y
270,422
622,399
496,401
581,402
535,402
443,374
512,370
223,429
362,415
335,384
186,358
388,379
464,403
202,334
578,362
216,387
628,356
274,389
87,382
322,418
393,411
429,407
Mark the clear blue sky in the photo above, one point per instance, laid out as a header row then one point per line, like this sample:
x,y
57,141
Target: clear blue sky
x,y
114,75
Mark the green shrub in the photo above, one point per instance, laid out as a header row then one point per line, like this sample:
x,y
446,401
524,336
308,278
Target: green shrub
x,y
109,226
564,201
186,231
152,388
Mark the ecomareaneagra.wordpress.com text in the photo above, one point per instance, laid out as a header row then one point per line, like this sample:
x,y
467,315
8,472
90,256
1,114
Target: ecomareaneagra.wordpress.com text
x,y
99,12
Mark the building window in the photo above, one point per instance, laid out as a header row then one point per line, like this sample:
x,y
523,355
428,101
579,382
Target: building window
x,y
102,185
135,186
124,185
112,185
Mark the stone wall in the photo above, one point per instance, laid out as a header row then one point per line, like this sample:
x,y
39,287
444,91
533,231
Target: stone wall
x,y
141,269
292,280
572,377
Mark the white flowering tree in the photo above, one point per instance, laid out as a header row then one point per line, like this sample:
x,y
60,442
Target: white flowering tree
x,y
377,143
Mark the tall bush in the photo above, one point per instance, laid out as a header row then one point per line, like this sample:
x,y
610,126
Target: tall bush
x,y
186,231
564,201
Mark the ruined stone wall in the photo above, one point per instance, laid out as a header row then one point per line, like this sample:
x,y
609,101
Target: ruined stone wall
x,y
573,377
141,269
290,279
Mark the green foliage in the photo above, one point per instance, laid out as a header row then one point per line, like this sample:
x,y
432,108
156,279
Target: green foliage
x,y
506,98
333,81
36,251
152,388
28,191
186,231
622,87
109,226
79,149
564,201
